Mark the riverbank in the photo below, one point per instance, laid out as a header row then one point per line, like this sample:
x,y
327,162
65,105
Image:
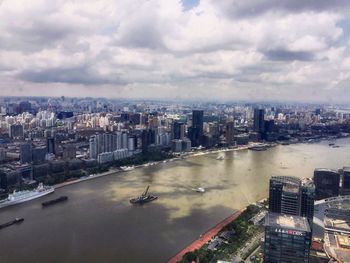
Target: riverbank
x,y
227,238
117,170
207,236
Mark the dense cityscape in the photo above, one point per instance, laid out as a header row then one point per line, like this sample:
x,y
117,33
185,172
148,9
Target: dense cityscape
x,y
54,140
62,141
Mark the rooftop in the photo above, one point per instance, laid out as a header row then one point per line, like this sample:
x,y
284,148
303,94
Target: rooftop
x,y
325,170
287,221
291,188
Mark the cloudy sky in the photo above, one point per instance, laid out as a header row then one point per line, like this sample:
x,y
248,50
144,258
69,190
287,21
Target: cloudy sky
x,y
169,49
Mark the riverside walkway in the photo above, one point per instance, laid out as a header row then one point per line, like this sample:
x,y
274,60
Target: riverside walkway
x,y
205,237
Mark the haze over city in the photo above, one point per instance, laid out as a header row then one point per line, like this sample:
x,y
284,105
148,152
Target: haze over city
x,y
161,49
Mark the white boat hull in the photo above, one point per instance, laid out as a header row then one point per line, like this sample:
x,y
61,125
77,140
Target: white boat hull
x,y
27,198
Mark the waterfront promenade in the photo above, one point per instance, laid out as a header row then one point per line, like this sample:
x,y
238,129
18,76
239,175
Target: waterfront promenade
x,y
203,239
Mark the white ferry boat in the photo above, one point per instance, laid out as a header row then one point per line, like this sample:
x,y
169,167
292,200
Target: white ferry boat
x,y
127,168
199,190
27,195
220,157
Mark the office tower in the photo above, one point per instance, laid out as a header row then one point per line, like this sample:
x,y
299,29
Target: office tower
x,y
69,151
93,147
178,130
327,183
39,154
196,131
287,238
269,125
50,145
346,181
131,143
197,120
135,118
307,200
25,153
16,131
292,196
107,142
2,154
147,138
259,124
124,140
124,117
230,128
119,140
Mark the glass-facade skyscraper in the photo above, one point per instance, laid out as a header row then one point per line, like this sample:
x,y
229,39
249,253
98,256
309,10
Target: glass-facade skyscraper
x,y
287,239
196,131
327,183
292,196
259,122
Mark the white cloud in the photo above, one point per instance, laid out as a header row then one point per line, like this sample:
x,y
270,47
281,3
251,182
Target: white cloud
x,y
217,49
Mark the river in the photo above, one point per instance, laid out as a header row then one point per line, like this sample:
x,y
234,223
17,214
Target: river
x,y
98,224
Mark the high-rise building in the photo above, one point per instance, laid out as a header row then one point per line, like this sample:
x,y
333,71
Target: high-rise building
x,y
2,154
178,130
327,183
196,131
147,138
93,150
197,120
346,181
230,128
16,131
292,196
25,151
287,239
50,144
39,154
131,143
259,124
69,151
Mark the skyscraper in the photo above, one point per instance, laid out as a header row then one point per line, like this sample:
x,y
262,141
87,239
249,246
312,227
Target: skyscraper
x,y
197,120
287,239
327,183
25,153
16,131
196,131
50,145
230,127
346,181
93,149
259,124
292,196
178,130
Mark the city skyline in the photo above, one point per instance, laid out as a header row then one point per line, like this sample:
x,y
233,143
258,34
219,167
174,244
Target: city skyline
x,y
208,50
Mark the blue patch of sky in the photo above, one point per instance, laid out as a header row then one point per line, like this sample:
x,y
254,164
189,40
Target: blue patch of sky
x,y
189,4
345,25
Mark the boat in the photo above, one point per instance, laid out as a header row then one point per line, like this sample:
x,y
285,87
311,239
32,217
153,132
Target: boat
x,y
18,197
55,201
144,198
220,157
199,190
127,168
258,148
15,221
